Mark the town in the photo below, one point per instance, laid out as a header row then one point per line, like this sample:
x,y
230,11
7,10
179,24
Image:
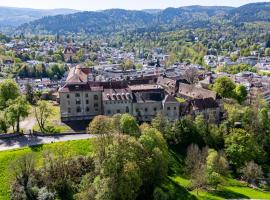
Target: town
x,y
125,104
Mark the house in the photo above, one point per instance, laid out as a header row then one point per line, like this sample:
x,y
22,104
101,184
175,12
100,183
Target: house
x,y
208,108
69,53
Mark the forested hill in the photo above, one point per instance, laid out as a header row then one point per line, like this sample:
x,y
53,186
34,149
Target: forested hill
x,y
115,20
13,17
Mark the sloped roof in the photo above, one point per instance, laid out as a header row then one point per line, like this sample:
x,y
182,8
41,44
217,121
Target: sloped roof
x,y
76,75
194,92
202,104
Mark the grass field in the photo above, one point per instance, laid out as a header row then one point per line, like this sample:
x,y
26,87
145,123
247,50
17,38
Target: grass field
x,y
80,147
176,185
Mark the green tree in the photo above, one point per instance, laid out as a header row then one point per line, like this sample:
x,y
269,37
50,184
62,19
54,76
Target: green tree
x,y
240,93
101,125
17,110
42,112
9,90
3,123
30,96
129,125
224,86
241,147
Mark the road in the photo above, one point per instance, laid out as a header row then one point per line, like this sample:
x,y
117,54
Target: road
x,y
24,141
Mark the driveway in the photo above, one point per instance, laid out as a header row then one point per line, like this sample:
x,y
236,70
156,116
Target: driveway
x,y
24,141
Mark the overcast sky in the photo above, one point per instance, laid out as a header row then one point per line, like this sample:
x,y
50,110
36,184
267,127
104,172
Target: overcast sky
x,y
126,4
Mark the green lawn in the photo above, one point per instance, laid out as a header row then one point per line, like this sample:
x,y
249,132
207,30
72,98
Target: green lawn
x,y
176,185
80,147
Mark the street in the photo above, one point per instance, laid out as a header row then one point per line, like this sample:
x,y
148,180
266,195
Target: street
x,y
23,141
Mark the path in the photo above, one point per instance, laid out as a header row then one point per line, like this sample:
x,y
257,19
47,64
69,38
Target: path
x,y
28,124
23,141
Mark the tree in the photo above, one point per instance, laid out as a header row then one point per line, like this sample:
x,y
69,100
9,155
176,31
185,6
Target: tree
x,y
251,172
192,158
3,123
241,147
30,96
160,122
23,168
217,162
42,112
17,110
8,91
224,86
127,64
191,75
101,125
129,125
240,93
120,170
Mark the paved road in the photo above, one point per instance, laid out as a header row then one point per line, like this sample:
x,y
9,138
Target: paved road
x,y
23,141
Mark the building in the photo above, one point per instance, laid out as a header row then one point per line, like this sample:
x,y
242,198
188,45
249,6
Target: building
x,y
82,98
69,52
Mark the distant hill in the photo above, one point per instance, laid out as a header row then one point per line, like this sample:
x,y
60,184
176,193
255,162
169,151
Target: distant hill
x,y
114,20
251,12
16,16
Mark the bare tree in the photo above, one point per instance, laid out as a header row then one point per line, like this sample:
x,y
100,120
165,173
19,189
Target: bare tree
x,y
252,172
191,75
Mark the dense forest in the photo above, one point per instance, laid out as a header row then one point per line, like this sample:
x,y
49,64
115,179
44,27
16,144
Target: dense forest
x,y
115,20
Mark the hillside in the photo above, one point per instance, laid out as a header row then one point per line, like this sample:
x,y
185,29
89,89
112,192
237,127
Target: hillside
x,y
115,20
16,16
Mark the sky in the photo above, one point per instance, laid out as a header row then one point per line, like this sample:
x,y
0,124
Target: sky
x,y
125,4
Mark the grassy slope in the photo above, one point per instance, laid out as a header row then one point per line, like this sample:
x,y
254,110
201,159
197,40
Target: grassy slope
x,y
176,185
80,147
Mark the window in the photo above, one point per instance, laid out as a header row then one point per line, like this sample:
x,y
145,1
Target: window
x,y
69,110
168,108
78,102
109,112
95,97
79,109
87,109
127,109
96,105
87,101
155,109
137,110
174,108
146,110
118,111
68,102
86,95
77,95
67,96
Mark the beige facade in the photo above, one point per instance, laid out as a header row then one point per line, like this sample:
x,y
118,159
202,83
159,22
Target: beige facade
x,y
80,105
146,111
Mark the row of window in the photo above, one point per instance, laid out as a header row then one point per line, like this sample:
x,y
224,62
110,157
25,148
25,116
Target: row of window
x,y
116,102
109,112
79,109
86,95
